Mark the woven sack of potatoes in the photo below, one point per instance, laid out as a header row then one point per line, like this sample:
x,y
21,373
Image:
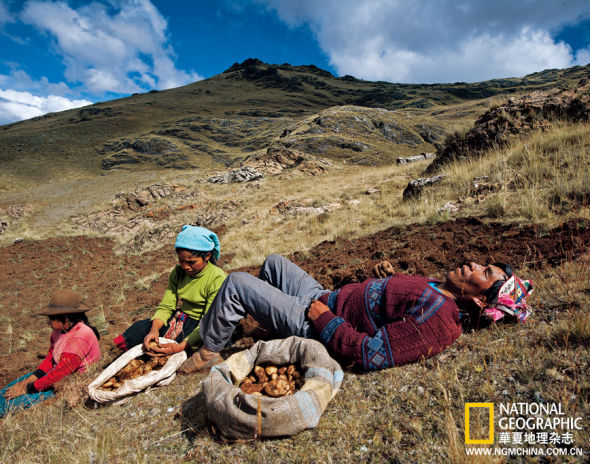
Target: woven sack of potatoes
x,y
159,378
240,415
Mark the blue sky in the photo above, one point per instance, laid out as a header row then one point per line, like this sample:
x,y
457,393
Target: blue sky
x,y
57,55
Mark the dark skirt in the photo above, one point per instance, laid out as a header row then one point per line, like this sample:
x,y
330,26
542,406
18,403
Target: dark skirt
x,y
135,334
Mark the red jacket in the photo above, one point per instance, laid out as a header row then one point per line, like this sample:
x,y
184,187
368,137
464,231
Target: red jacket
x,y
381,323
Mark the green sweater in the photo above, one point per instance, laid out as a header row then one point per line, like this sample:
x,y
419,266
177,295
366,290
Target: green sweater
x,y
196,292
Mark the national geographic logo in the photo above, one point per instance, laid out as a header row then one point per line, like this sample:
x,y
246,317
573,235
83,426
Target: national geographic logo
x,y
489,440
520,424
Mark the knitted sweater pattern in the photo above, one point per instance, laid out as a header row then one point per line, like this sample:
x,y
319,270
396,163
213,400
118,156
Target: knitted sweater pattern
x,y
380,323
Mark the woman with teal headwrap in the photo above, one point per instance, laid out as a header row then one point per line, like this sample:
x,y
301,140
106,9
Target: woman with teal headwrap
x,y
192,286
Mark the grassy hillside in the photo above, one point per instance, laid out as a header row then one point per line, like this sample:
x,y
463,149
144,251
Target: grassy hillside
x,y
336,208
406,414
212,123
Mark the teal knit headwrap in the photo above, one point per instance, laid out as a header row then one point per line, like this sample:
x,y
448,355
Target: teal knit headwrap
x,y
198,239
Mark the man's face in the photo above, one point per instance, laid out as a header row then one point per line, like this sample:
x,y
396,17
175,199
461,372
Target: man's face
x,y
470,281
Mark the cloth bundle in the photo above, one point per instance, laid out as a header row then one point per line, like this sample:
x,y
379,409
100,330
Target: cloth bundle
x,y
240,415
159,378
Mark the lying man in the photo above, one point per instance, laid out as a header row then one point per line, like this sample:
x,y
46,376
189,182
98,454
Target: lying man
x,y
375,324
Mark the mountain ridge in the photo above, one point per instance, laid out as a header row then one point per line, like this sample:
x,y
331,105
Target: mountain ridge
x,y
216,122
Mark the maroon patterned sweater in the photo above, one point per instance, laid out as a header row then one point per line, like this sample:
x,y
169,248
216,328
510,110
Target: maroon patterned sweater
x,y
381,323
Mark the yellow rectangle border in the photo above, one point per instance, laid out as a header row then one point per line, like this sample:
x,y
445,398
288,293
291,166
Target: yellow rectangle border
x,y
490,439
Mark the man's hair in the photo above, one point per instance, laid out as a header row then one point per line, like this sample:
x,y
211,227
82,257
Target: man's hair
x,y
491,294
472,317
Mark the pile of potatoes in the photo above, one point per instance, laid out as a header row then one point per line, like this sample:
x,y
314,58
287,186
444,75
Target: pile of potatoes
x,y
136,368
274,381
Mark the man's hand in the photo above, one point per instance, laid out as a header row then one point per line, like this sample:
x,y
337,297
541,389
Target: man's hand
x,y
316,309
383,269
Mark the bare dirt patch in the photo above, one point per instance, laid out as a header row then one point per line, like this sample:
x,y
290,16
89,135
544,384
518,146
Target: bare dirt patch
x,y
126,288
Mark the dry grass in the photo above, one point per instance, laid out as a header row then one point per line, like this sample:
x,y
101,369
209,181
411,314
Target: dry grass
x,y
409,414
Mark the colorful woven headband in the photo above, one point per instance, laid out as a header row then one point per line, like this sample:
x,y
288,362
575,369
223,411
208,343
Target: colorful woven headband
x,y
512,300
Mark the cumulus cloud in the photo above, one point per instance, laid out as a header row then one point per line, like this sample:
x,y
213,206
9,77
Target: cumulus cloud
x,y
5,16
16,105
117,48
583,56
445,41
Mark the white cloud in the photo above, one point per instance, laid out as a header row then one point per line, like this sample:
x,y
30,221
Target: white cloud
x,y
437,41
5,16
120,48
583,56
19,80
16,105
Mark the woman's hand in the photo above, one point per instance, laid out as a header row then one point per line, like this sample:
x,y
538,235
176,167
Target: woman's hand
x,y
316,309
153,335
16,390
167,349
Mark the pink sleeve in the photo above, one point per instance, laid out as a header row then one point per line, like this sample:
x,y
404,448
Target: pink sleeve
x,y
84,345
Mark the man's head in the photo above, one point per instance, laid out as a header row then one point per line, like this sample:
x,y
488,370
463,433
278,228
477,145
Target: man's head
x,y
494,290
476,285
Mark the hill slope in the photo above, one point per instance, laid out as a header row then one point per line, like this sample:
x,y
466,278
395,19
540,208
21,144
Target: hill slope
x,y
217,121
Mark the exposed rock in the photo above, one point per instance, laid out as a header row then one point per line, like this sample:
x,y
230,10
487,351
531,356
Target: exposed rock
x,y
278,158
429,133
372,191
413,159
361,135
147,149
480,190
300,208
128,201
18,211
145,228
516,117
415,187
243,174
484,187
13,212
449,207
142,197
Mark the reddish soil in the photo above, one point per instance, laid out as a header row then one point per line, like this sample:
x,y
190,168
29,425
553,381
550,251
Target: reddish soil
x,y
31,271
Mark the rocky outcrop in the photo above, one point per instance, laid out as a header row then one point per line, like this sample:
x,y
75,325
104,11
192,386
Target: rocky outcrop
x,y
243,174
13,212
415,187
133,201
298,208
17,211
359,135
279,158
413,159
147,149
518,116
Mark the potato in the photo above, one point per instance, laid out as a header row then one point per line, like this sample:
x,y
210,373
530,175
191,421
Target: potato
x,y
273,381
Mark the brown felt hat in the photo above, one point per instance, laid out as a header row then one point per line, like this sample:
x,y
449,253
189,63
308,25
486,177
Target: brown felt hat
x,y
64,302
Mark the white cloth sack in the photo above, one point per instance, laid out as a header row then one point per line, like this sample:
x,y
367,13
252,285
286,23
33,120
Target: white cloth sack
x,y
159,378
235,413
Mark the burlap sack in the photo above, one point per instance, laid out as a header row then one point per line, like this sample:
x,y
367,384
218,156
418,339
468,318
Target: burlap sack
x,y
235,413
159,378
